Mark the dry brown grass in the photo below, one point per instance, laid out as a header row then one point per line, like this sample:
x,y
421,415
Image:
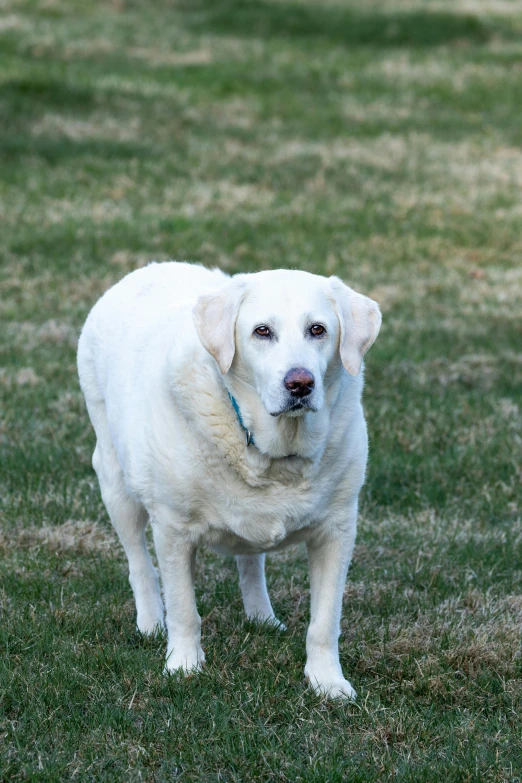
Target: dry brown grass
x,y
78,537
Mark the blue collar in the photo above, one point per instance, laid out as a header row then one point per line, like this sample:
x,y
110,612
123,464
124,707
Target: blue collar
x,y
249,438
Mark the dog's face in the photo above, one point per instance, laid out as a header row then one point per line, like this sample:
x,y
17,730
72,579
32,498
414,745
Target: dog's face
x,y
285,333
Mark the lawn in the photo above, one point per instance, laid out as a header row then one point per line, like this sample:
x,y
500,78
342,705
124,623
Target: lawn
x,y
380,141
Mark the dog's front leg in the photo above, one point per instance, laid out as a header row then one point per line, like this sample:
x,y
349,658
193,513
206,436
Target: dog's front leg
x,y
329,558
177,559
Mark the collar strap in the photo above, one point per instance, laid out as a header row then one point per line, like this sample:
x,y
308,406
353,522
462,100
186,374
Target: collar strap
x,y
249,438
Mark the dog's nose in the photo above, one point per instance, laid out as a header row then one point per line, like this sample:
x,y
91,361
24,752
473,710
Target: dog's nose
x,y
299,382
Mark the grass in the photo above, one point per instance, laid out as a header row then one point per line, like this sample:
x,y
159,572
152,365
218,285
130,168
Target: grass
x,y
379,141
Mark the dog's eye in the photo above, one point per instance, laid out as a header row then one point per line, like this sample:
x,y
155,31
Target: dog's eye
x,y
317,330
263,331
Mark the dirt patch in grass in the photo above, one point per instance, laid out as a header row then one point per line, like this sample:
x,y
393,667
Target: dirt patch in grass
x,y
385,152
62,294
98,126
79,537
223,197
25,376
27,335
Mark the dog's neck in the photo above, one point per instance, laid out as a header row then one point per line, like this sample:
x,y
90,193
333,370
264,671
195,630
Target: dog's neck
x,y
283,436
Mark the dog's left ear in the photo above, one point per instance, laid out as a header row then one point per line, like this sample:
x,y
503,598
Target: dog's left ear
x,y
215,316
360,321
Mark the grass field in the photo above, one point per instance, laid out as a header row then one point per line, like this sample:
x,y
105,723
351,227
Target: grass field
x,y
379,141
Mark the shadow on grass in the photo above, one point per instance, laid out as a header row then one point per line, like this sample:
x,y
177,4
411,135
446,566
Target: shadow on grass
x,y
56,149
23,101
340,25
45,94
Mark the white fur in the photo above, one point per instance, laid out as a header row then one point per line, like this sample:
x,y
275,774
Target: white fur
x,y
156,356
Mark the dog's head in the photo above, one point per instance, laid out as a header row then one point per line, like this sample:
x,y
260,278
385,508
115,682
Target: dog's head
x,y
284,332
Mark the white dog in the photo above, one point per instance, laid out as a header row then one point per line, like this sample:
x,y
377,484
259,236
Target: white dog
x,y
228,412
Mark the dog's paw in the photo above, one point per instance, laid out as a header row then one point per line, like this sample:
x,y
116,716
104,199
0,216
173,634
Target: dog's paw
x,y
270,621
153,626
150,617
184,661
337,688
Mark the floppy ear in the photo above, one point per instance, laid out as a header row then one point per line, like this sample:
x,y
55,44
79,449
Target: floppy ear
x,y
360,320
215,316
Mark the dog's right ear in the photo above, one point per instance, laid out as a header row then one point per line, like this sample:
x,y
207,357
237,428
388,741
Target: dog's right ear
x,y
215,316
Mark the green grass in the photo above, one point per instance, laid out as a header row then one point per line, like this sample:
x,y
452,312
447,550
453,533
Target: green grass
x,y
380,141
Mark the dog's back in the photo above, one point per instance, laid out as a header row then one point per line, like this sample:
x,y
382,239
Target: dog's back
x,y
130,311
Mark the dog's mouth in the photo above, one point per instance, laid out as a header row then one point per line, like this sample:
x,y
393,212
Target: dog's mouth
x,y
295,408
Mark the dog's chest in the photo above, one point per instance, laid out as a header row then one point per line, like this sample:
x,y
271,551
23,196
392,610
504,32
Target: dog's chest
x,y
240,520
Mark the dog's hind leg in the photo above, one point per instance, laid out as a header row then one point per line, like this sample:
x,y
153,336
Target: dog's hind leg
x,y
129,519
253,589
